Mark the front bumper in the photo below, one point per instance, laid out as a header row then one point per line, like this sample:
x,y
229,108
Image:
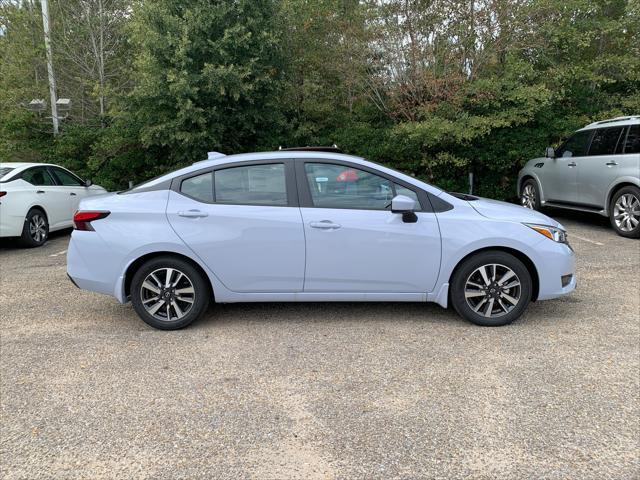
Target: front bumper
x,y
555,261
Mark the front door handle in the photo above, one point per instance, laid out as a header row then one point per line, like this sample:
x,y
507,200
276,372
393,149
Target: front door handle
x,y
193,214
325,225
72,194
611,164
572,164
40,191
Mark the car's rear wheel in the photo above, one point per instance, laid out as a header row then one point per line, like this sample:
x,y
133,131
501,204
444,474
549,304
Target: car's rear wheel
x,y
624,212
169,293
530,196
35,230
491,288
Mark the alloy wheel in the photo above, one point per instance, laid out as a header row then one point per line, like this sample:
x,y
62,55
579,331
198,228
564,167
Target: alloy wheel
x,y
528,198
626,212
37,228
492,290
167,294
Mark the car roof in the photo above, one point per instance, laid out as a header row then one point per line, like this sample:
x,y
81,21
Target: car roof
x,y
220,159
614,122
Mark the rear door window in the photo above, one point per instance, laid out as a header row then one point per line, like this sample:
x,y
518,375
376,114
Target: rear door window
x,y
605,141
576,146
38,176
632,145
263,184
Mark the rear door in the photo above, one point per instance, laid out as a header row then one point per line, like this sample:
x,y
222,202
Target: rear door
x,y
600,167
243,221
355,244
560,183
49,196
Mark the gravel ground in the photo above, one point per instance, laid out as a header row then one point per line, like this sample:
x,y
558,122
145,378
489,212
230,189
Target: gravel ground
x,y
322,391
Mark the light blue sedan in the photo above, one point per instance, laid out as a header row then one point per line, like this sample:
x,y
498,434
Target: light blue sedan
x,y
312,225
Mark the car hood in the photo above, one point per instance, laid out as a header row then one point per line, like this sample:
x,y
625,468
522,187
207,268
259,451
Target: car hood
x,y
497,210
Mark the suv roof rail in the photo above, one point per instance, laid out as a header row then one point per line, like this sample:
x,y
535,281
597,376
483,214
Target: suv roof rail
x,y
332,149
617,119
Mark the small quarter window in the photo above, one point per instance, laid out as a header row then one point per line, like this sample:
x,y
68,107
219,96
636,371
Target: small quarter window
x,y
199,187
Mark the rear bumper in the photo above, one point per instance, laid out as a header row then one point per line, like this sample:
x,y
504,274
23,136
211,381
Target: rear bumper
x,y
90,263
10,225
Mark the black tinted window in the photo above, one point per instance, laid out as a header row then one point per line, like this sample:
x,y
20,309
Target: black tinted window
x,y
37,176
65,178
251,185
199,187
632,145
576,145
605,140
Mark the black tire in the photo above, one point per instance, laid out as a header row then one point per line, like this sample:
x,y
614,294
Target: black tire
x,y
468,271
191,278
622,229
35,230
530,185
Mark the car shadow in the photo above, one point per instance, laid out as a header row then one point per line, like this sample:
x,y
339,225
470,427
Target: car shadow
x,y
13,243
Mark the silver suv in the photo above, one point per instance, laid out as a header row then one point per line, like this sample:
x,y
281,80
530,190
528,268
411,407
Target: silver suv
x,y
597,170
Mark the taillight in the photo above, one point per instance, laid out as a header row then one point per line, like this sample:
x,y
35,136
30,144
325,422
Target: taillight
x,y
2,194
82,219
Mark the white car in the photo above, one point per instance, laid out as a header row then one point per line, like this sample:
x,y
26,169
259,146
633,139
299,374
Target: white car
x,y
38,198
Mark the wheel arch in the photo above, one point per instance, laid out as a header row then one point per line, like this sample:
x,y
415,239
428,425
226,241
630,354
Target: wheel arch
x,y
134,266
37,207
528,263
615,188
530,176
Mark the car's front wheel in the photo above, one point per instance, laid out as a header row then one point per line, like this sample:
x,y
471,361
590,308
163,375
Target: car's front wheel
x,y
491,288
169,293
624,212
35,230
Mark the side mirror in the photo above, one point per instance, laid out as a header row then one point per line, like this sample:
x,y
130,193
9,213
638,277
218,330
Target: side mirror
x,y
88,183
550,153
406,206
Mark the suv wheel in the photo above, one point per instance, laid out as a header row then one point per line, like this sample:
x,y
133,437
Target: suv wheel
x,y
624,212
491,289
169,293
35,230
530,196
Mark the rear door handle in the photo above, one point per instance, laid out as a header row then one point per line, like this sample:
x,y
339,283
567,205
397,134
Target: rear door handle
x,y
72,194
572,164
40,191
193,214
325,225
611,164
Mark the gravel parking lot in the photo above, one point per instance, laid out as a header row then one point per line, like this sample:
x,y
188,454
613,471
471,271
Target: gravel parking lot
x,y
278,391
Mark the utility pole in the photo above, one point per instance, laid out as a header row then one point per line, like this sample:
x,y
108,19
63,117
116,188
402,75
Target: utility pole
x,y
52,78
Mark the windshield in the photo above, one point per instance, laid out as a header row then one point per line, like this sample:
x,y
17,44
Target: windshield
x,y
4,171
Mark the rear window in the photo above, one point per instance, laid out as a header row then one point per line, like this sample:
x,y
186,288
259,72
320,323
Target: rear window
x,y
605,141
4,171
632,145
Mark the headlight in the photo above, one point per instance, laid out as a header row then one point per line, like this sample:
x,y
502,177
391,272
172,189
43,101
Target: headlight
x,y
553,233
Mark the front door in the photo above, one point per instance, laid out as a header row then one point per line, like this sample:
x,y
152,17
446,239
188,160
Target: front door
x,y
72,187
242,222
354,242
560,180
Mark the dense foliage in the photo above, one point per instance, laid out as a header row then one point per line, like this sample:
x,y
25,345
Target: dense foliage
x,y
436,88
